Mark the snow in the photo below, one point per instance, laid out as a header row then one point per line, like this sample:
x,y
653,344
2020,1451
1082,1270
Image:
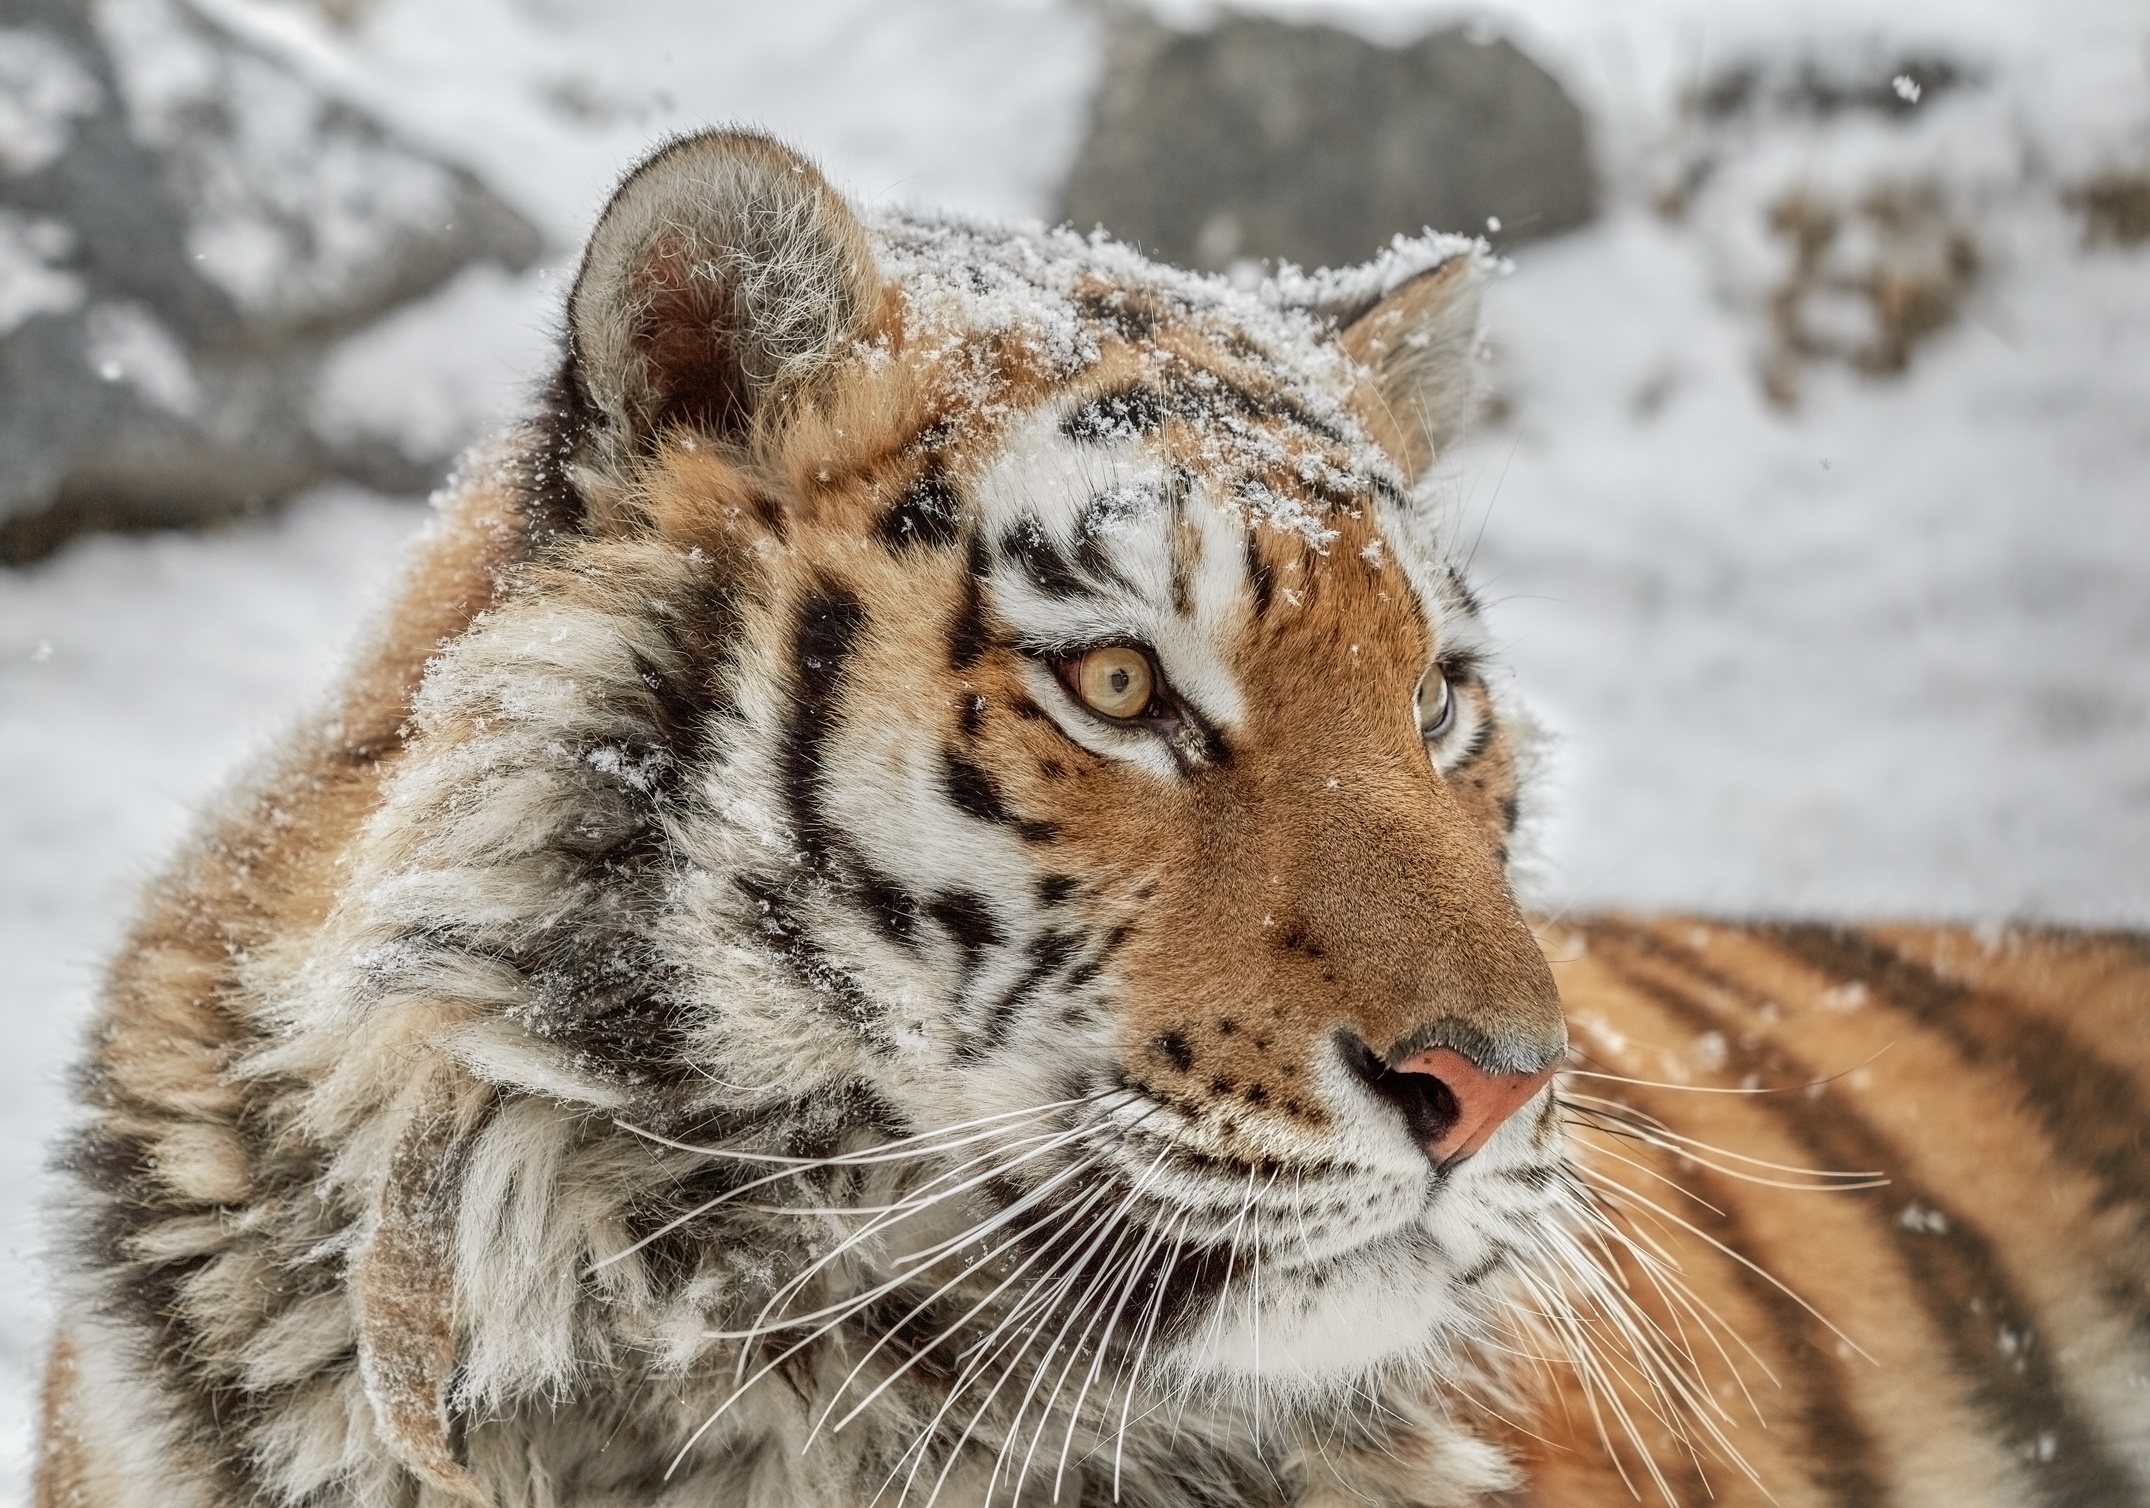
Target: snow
x,y
457,364
1888,653
1884,650
42,92
125,343
958,273
292,200
30,281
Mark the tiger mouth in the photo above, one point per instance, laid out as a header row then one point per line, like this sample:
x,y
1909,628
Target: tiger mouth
x,y
1123,1282
1123,1175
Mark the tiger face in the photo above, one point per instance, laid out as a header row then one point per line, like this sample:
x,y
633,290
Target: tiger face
x,y
957,888
1106,763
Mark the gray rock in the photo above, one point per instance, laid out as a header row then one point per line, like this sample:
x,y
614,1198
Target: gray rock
x,y
187,227
1263,139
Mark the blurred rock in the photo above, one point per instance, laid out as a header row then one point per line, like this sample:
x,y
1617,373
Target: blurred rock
x,y
1263,139
2115,207
1868,283
1818,87
188,228
1842,194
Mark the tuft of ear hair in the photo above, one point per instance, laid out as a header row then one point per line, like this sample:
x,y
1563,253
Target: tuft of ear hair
x,y
1419,345
725,274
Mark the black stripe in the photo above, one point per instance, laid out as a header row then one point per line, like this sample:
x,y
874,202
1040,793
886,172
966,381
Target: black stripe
x,y
1258,574
974,792
1957,1273
694,689
1049,953
1120,415
1205,395
1133,316
213,1414
1183,541
977,794
1095,964
1465,597
930,514
827,629
892,907
968,637
779,919
1043,562
597,983
1090,553
551,504
968,919
2093,1111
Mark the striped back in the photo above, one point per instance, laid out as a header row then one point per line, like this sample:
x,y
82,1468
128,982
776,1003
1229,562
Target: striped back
x,y
1975,1329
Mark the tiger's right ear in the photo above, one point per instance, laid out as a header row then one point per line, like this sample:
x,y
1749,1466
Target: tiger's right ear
x,y
725,274
1419,346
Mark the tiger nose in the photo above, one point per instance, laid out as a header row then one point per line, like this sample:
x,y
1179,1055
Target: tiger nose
x,y
1450,1105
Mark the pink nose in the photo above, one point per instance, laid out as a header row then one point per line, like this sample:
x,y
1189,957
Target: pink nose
x,y
1482,1100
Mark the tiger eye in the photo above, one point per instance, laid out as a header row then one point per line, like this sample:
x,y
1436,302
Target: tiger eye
x,y
1115,680
1436,703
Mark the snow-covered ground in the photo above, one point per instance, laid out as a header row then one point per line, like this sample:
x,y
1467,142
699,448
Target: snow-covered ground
x,y
1884,651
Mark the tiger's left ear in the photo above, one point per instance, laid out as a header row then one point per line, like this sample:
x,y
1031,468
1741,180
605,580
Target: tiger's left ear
x,y
725,275
1419,345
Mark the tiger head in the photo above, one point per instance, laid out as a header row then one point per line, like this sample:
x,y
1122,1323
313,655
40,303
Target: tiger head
x,y
999,697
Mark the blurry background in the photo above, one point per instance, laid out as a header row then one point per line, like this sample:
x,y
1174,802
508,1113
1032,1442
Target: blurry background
x,y
1812,490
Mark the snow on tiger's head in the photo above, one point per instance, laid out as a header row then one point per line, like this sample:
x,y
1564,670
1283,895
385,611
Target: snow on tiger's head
x,y
1033,706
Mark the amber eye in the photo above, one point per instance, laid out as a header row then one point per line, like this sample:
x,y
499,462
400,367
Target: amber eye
x,y
1114,680
1436,703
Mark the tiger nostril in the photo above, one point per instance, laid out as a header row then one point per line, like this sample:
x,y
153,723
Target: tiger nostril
x,y
1429,1107
1449,1104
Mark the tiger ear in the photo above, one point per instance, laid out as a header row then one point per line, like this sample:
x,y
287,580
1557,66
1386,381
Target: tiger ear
x,y
1419,346
725,274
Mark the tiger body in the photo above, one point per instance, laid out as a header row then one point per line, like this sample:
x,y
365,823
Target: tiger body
x,y
1973,1330
724,1007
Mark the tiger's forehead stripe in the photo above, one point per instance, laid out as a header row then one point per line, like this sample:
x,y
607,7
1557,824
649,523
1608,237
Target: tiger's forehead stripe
x,y
1167,491
1100,542
1245,387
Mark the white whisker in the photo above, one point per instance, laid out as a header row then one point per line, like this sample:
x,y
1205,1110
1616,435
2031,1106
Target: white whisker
x,y
768,1178
1106,1274
918,1144
1153,1238
1027,1338
1649,1128
1154,1308
950,1330
844,1311
930,1254
1759,1271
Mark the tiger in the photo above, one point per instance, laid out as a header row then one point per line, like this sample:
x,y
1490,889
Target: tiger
x,y
912,903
